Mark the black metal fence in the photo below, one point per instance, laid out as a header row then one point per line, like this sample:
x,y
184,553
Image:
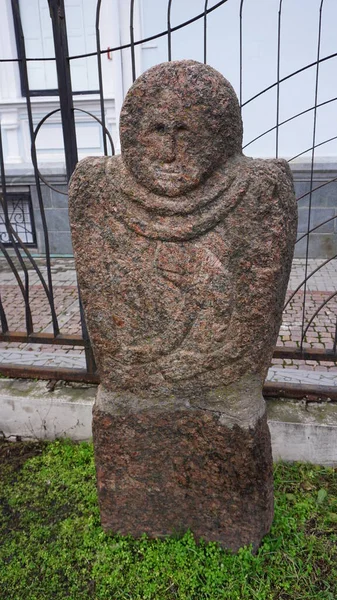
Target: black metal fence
x,y
14,243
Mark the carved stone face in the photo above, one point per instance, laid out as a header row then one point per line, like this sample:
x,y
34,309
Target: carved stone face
x,y
175,149
178,122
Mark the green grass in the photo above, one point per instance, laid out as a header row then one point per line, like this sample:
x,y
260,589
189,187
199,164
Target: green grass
x,y
52,545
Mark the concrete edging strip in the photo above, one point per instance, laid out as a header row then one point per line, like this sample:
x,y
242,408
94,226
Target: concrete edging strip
x,y
33,410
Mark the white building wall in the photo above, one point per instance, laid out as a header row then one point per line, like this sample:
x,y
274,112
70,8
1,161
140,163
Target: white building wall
x,y
299,36
80,15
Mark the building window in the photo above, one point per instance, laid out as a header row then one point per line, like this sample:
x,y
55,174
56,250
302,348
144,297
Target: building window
x,y
38,43
21,218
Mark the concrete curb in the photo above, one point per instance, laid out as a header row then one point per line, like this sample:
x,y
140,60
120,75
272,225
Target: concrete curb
x,y
33,410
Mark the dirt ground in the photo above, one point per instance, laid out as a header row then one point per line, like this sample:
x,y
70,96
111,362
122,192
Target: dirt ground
x,y
13,455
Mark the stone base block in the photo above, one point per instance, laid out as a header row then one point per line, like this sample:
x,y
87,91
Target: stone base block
x,y
164,472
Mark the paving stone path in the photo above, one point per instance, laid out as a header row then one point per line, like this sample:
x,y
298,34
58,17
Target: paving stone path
x,y
320,334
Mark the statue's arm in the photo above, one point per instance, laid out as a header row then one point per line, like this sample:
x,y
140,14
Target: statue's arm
x,y
84,191
265,259
91,203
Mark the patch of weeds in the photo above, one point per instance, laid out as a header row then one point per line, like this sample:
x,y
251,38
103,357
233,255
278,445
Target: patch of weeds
x,y
52,545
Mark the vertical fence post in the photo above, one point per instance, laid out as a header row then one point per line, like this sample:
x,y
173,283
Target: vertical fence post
x,y
57,13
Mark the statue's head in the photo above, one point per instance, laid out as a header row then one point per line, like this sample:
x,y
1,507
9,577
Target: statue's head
x,y
179,121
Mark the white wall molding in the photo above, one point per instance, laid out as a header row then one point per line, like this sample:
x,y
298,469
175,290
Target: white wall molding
x,y
10,127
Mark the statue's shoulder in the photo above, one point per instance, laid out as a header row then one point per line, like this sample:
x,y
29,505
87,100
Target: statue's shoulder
x,y
92,180
270,170
91,171
277,171
271,184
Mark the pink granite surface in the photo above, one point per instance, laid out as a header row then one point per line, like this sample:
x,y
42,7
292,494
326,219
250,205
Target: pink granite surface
x,y
183,249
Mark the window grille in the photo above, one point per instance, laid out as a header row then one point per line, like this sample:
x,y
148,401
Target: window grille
x,y
20,216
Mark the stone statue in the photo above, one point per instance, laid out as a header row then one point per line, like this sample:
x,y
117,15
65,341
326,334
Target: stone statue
x,y
183,250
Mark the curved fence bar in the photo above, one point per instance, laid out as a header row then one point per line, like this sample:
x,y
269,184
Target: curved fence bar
x,y
315,228
3,318
333,295
303,112
36,173
24,288
151,38
17,243
290,76
317,188
313,148
312,168
307,279
37,129
53,112
104,128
